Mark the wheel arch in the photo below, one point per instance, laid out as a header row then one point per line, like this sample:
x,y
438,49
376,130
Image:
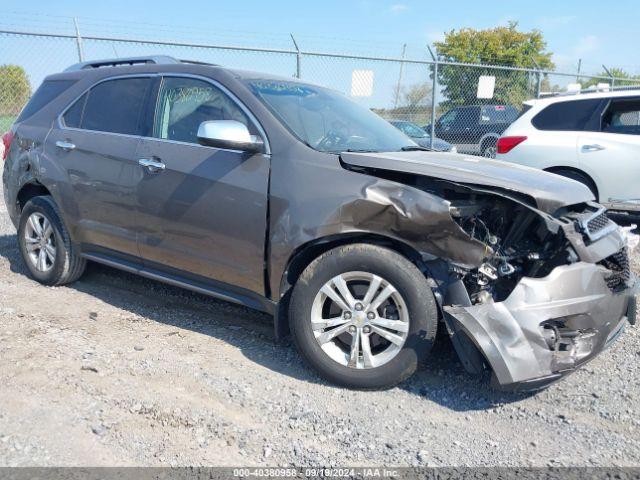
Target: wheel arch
x,y
306,253
29,190
488,137
557,169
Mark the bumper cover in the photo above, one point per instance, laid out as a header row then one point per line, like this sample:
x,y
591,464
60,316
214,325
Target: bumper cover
x,y
547,326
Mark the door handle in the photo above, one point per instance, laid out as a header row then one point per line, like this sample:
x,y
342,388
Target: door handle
x,y
592,148
154,166
64,145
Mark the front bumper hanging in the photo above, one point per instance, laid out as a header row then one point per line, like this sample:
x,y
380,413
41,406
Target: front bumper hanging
x,y
547,326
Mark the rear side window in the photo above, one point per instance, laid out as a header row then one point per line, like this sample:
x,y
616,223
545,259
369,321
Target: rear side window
x,y
574,115
496,114
49,90
114,106
622,116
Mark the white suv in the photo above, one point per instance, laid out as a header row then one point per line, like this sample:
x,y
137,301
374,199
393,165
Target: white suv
x,y
593,138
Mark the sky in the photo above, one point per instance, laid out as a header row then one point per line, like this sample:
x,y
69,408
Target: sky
x,y
593,31
598,32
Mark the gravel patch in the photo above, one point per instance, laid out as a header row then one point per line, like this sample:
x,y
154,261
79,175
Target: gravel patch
x,y
119,370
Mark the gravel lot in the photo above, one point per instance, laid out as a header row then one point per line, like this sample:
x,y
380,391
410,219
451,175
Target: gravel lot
x,y
119,370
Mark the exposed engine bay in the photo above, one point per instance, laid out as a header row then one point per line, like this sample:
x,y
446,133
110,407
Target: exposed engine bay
x,y
519,240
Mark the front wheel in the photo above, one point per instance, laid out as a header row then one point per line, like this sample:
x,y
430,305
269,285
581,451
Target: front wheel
x,y
363,316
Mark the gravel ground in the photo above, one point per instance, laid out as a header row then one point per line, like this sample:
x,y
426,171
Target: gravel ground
x,y
119,370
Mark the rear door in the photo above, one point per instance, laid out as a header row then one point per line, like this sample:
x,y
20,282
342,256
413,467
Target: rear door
x,y
95,142
611,155
204,214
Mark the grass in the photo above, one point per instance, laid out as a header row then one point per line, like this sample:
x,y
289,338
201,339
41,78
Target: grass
x,y
5,122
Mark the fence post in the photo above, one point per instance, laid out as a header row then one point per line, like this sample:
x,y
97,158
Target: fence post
x,y
611,77
579,68
78,40
298,56
538,77
434,88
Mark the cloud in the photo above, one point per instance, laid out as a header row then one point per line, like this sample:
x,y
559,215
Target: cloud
x,y
586,45
554,22
583,48
398,7
435,36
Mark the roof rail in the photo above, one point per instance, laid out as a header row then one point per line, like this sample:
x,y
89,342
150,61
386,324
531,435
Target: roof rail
x,y
198,62
600,88
115,62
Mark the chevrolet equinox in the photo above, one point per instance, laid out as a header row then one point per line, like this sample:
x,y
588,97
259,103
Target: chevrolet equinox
x,y
289,198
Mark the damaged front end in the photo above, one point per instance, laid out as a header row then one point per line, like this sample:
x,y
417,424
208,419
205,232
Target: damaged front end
x,y
532,276
552,292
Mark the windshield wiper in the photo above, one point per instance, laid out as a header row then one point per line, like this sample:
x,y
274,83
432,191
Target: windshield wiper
x,y
359,150
413,148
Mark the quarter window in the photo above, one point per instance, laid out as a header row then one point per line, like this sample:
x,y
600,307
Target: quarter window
x,y
575,115
184,103
113,106
48,91
622,116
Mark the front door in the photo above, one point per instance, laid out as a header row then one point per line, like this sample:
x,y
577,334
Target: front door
x,y
612,155
202,210
95,143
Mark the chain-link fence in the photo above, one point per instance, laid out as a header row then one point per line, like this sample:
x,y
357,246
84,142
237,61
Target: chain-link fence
x,y
468,106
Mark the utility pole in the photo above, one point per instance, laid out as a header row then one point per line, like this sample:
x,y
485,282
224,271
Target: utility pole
x,y
397,97
78,40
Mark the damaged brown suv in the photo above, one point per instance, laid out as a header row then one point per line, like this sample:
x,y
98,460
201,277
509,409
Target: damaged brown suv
x,y
289,198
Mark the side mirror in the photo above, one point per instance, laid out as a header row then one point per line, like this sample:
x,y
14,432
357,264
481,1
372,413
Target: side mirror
x,y
229,134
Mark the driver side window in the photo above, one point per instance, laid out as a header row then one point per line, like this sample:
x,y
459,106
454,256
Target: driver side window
x,y
184,103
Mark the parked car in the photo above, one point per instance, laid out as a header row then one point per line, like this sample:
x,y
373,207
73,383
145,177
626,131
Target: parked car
x,y
421,137
593,138
475,129
290,198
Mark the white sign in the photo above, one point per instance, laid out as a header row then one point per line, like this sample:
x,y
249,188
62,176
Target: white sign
x,y
486,86
361,83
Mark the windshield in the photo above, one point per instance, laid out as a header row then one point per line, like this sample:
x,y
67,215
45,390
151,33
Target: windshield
x,y
412,130
326,120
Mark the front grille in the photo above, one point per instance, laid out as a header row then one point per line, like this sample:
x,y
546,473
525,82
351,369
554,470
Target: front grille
x,y
598,222
618,264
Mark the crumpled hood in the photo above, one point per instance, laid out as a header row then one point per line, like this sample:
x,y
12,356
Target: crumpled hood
x,y
550,191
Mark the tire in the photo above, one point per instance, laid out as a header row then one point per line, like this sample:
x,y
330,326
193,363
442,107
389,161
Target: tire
x,y
578,177
65,265
488,149
412,302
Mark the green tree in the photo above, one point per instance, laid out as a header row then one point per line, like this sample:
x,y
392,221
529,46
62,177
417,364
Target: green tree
x,y
504,46
622,78
14,89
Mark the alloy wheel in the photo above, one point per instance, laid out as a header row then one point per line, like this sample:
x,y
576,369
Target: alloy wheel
x,y
40,242
360,320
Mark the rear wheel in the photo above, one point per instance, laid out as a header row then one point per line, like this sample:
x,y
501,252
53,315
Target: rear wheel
x,y
363,316
45,244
